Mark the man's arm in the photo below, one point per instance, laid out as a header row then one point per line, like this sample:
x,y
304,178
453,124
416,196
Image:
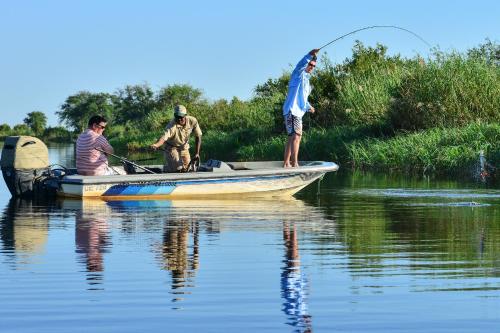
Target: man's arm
x,y
158,143
104,145
302,64
163,138
197,141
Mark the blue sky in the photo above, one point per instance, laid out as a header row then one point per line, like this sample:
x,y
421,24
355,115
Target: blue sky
x,y
52,49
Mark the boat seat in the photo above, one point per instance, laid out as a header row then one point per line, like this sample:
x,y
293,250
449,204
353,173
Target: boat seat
x,y
215,166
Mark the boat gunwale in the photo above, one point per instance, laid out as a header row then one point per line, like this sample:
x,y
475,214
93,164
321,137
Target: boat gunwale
x,y
323,167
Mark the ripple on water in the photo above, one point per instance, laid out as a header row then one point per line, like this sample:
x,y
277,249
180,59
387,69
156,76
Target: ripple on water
x,y
450,204
470,196
414,193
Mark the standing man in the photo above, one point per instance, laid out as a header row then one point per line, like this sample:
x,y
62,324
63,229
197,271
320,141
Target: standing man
x,y
91,149
176,140
296,105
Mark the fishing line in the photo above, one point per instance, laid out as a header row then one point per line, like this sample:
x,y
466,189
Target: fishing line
x,y
373,27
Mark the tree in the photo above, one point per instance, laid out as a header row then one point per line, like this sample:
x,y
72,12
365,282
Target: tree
x,y
77,109
37,121
134,103
139,104
21,129
174,94
58,133
4,129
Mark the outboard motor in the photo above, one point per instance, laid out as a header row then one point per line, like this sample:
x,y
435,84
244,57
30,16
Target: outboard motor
x,y
24,162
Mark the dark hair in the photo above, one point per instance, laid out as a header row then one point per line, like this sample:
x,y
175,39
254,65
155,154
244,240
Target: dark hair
x,y
96,120
314,58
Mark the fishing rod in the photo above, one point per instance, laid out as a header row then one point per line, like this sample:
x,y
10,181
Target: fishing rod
x,y
374,27
123,159
146,159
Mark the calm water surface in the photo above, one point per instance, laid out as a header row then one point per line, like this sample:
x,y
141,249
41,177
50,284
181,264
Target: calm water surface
x,y
369,253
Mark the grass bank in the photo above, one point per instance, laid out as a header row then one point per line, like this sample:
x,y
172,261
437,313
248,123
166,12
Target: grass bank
x,y
431,151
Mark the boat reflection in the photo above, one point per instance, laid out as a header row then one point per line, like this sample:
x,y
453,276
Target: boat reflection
x,y
23,231
185,220
173,230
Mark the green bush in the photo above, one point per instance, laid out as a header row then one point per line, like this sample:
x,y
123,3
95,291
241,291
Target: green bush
x,y
21,129
359,91
452,90
57,134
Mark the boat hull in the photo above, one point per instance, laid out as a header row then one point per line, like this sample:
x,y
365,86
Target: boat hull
x,y
257,182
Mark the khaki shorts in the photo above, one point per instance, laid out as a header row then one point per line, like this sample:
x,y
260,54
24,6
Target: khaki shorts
x,y
176,159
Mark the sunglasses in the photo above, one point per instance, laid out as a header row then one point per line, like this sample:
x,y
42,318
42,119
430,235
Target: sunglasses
x,y
100,126
312,65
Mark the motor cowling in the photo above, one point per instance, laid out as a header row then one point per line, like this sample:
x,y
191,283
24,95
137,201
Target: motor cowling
x,y
24,161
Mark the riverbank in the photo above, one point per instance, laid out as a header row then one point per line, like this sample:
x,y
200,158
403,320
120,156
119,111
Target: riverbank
x,y
433,151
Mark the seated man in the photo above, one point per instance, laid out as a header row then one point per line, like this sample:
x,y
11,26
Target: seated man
x,y
90,160
176,140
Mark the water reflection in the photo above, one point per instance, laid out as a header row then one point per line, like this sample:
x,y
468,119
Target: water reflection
x,y
294,284
62,154
178,252
92,238
363,254
179,255
23,231
183,221
444,238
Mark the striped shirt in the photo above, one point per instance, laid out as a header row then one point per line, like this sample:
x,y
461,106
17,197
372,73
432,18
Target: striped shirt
x,y
91,162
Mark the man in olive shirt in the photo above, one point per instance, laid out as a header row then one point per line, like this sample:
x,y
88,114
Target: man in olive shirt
x,y
176,140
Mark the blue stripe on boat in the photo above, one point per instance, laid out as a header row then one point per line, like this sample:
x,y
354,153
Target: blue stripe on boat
x,y
163,188
139,189
115,190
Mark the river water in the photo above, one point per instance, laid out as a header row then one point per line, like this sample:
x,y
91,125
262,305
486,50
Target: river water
x,y
358,253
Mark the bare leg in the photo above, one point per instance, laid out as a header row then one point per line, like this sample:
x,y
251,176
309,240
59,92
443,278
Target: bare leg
x,y
295,150
288,152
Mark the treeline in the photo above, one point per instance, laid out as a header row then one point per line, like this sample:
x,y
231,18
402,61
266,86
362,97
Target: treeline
x,y
35,124
370,88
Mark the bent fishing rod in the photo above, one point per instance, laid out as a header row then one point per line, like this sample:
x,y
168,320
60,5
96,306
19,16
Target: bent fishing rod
x,y
123,159
375,27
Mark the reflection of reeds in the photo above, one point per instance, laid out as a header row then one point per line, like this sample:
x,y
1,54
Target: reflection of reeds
x,y
453,240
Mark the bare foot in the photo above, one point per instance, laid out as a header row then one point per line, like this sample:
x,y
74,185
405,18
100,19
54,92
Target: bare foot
x,y
287,165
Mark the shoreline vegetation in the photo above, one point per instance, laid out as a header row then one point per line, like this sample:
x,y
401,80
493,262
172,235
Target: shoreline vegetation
x,y
374,112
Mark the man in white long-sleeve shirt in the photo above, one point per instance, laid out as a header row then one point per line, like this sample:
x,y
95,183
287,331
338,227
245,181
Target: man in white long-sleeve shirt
x,y
296,105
